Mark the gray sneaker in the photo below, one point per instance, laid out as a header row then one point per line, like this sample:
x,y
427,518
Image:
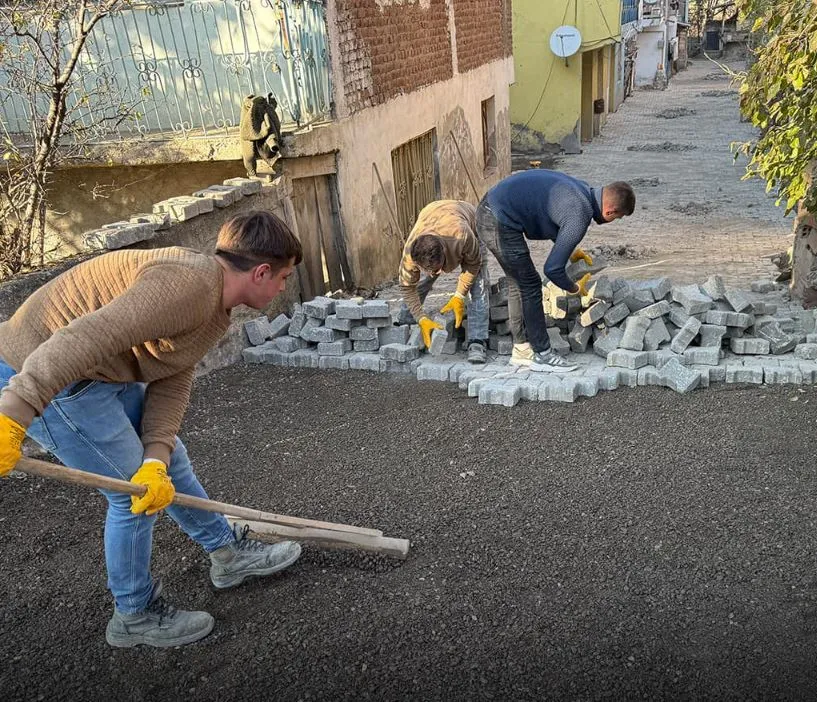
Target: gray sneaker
x,y
476,352
234,563
160,625
551,362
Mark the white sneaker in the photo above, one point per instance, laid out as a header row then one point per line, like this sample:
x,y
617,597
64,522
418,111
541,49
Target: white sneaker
x,y
551,362
522,355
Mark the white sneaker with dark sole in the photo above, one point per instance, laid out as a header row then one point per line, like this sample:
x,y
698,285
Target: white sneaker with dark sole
x,y
550,362
522,355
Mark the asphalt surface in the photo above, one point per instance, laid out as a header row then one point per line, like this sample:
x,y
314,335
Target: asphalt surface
x,y
639,545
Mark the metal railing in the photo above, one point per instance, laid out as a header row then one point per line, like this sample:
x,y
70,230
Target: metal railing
x,y
629,11
184,67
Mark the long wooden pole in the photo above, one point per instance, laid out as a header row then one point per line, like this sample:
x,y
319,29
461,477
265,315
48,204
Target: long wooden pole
x,y
327,533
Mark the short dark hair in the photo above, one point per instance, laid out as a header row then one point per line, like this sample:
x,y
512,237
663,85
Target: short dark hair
x,y
621,197
256,237
427,251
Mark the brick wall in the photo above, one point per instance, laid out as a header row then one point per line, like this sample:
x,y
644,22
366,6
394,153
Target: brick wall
x,y
392,49
484,31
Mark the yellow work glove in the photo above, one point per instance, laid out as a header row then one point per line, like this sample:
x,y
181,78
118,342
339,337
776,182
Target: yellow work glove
x,y
456,305
11,441
426,327
579,255
160,491
582,283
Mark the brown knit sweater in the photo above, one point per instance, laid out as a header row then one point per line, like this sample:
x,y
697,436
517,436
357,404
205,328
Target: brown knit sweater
x,y
126,316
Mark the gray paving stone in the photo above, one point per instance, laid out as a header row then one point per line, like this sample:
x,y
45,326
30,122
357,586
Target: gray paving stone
x,y
451,347
609,379
587,385
378,322
738,299
434,370
467,376
375,308
712,335
398,352
601,289
499,394
309,324
808,352
662,356
288,344
555,390
333,362
303,358
394,335
744,374
703,372
718,317
438,340
296,325
266,353
779,341
319,307
446,321
257,330
346,309
528,388
657,334
279,326
634,330
503,328
476,383
617,313
607,340
638,299
749,345
366,345
782,375
691,298
649,375
626,358
335,348
627,377
685,335
416,337
361,333
499,314
659,288
334,322
696,356
389,365
557,342
594,313
622,289
763,286
678,377
579,337
458,369
316,335
365,361
678,315
717,374
809,371
714,287
655,310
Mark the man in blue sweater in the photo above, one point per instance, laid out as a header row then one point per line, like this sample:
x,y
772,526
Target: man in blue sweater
x,y
541,204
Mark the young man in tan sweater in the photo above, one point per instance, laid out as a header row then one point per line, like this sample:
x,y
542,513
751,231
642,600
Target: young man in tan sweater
x,y
97,367
443,238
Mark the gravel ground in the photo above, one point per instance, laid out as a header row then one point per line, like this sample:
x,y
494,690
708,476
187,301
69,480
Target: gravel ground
x,y
641,544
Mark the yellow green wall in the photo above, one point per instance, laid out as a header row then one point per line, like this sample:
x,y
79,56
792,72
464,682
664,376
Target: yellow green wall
x,y
533,23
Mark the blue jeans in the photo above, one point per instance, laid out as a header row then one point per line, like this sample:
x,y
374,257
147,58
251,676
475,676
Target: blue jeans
x,y
94,426
525,308
478,301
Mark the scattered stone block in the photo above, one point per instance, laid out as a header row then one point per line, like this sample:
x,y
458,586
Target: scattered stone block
x,y
617,313
808,352
362,333
248,186
678,377
375,308
657,334
557,342
182,209
621,291
763,286
659,288
303,358
279,326
654,311
415,337
678,315
579,337
600,289
744,374
709,356
446,321
712,335
638,299
220,195
627,377
346,325
782,375
749,345
379,322
662,356
685,335
626,358
438,340
717,374
334,348
319,307
503,345
691,298
393,335
609,379
779,341
347,309
297,322
594,313
634,331
714,288
499,314
607,341
320,334
649,375
266,353
503,329
366,345
398,352
257,330
288,344
333,362
365,361
738,300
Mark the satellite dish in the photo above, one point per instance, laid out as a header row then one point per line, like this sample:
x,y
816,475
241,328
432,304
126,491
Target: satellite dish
x,y
565,41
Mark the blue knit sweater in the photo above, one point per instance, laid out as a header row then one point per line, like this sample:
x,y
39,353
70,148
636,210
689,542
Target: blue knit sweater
x,y
548,205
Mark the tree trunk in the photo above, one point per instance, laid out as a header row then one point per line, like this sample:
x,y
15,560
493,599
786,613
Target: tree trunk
x,y
804,254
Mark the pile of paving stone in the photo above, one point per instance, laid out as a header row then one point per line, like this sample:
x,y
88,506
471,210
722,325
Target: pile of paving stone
x,y
622,333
